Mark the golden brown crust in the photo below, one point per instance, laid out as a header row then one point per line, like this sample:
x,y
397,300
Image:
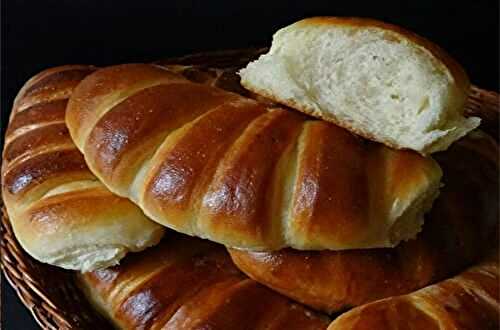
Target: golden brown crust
x,y
130,133
246,175
34,170
335,158
194,158
50,112
467,301
112,84
40,138
49,85
187,283
459,228
130,126
49,192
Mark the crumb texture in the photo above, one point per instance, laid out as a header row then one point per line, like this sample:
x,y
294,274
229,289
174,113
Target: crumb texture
x,y
375,81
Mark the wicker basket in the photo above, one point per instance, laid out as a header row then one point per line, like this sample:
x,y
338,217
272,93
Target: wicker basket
x,y
51,294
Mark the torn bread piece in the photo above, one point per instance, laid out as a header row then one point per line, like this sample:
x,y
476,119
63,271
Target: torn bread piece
x,y
375,79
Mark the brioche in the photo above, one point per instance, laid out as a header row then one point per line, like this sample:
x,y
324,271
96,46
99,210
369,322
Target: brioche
x,y
467,301
61,214
214,164
460,228
188,283
375,79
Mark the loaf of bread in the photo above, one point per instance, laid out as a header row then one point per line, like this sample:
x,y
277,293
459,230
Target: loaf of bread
x,y
61,214
188,283
375,79
467,301
460,228
214,164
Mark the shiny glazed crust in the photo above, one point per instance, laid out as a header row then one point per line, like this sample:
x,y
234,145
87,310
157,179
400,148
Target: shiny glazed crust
x,y
216,165
188,283
467,301
461,226
60,213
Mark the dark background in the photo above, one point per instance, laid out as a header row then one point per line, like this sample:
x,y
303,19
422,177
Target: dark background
x,y
40,34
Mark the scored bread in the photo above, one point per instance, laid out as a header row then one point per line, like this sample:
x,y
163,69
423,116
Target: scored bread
x,y
375,79
469,300
461,227
214,164
189,283
60,213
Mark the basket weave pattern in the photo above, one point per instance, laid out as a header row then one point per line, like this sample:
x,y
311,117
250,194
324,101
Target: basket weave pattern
x,y
51,294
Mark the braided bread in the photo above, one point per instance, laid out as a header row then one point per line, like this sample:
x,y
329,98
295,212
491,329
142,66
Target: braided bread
x,y
214,164
61,214
188,283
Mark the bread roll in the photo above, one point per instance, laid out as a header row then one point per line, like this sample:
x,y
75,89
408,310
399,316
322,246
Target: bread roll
x,y
375,79
61,214
461,226
214,164
467,301
188,283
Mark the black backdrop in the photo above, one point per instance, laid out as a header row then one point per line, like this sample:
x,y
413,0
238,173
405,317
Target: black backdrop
x,y
41,33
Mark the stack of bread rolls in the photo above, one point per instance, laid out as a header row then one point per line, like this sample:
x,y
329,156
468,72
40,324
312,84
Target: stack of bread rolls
x,y
341,178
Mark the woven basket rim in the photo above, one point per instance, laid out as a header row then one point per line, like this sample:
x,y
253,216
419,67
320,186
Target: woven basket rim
x,y
64,306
